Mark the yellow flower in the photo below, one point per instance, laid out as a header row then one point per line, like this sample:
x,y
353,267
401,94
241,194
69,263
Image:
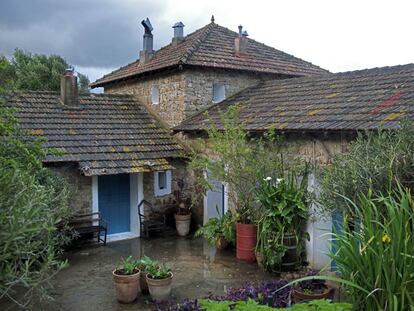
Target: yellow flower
x,y
386,239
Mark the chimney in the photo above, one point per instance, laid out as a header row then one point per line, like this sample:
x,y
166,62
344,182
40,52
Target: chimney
x,y
69,88
240,43
178,32
147,52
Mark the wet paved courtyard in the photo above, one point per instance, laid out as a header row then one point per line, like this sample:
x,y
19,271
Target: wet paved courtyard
x,y
198,269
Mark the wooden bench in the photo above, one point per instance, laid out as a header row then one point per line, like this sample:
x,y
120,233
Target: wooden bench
x,y
86,225
152,222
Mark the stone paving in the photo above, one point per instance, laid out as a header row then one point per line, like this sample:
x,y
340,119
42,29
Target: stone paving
x,y
198,269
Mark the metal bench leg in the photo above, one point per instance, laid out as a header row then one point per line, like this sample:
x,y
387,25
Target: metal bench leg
x,y
105,237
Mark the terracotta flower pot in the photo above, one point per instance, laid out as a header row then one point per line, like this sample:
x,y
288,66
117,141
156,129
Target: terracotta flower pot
x,y
222,244
160,289
299,296
182,223
143,283
246,242
127,286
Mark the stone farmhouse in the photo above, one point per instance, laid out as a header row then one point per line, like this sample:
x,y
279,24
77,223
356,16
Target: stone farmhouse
x,y
118,147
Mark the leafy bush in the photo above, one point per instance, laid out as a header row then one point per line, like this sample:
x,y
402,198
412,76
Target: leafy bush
x,y
374,161
34,205
217,228
376,254
263,293
284,209
251,305
237,159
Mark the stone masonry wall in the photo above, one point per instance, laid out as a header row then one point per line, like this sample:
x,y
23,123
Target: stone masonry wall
x,y
80,186
167,204
183,93
171,88
199,93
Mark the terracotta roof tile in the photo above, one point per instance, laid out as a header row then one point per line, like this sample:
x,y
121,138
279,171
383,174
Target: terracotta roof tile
x,y
105,134
213,46
357,100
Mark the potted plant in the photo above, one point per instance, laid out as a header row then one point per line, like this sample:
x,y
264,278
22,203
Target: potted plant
x,y
126,277
159,279
283,214
142,264
183,215
312,289
219,232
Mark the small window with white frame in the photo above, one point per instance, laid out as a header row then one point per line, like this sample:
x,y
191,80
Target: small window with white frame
x,y
155,95
162,183
219,92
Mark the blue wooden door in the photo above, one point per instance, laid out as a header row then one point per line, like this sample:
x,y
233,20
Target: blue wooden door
x,y
114,202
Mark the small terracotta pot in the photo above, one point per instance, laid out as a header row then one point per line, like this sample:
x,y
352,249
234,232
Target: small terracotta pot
x,y
127,286
222,244
160,289
182,223
299,296
143,283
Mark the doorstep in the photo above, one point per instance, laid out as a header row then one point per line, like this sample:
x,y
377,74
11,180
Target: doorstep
x,y
121,236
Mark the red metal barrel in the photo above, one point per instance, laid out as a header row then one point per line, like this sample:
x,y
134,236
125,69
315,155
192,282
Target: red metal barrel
x,y
246,242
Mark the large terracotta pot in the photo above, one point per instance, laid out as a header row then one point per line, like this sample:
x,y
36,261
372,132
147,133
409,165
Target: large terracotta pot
x,y
182,223
160,289
127,286
246,242
299,296
143,283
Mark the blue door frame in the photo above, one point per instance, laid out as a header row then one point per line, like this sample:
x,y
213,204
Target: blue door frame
x,y
114,202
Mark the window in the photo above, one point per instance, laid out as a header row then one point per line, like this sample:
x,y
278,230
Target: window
x,y
162,183
162,180
219,92
155,95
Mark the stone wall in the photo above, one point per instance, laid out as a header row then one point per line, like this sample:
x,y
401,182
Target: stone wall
x,y
172,88
199,93
167,204
183,93
80,186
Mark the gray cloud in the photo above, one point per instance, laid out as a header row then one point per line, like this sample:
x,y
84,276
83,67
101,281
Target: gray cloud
x,y
90,33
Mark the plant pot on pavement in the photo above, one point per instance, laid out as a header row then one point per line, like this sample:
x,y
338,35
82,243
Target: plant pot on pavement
x,y
143,283
127,285
299,296
222,243
246,242
290,259
182,223
160,289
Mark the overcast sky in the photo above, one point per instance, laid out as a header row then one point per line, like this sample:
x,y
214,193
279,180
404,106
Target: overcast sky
x,y
97,36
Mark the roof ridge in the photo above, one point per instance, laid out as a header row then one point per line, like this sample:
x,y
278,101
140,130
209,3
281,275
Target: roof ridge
x,y
205,31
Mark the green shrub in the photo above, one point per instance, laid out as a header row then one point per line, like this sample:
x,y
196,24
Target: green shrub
x,y
375,254
216,228
34,203
374,161
250,305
